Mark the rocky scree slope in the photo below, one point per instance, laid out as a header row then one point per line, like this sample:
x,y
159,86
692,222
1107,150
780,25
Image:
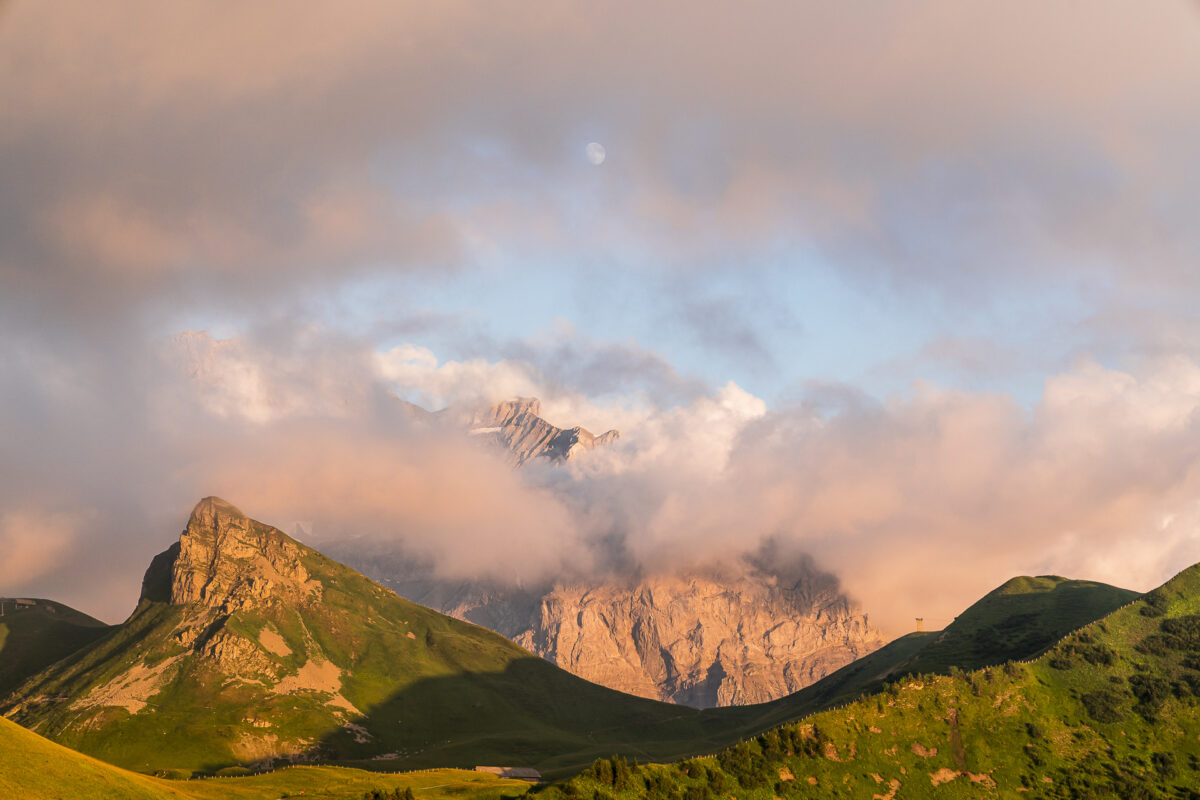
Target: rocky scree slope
x,y
249,648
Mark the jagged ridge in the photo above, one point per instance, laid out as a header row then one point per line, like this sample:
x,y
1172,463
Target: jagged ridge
x,y
517,426
748,631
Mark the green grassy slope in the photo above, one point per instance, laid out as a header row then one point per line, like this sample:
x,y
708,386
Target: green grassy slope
x,y
34,637
32,768
1016,621
1111,711
270,667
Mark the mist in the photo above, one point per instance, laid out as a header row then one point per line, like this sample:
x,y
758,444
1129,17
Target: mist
x,y
918,503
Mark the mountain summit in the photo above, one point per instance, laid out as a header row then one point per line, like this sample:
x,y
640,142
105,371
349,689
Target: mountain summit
x,y
514,426
517,426
225,561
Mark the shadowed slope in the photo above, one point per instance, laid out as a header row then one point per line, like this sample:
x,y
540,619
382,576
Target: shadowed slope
x,y
36,633
1016,621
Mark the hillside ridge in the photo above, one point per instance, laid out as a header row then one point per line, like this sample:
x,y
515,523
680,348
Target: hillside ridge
x,y
249,648
35,633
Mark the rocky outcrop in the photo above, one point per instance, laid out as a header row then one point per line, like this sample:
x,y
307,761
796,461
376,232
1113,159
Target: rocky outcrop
x,y
517,426
226,616
740,634
514,427
227,562
224,560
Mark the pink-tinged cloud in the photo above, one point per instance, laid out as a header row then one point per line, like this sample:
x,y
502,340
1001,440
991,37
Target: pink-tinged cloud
x,y
919,504
34,543
151,151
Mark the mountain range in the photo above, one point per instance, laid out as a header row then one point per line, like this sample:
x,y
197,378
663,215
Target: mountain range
x,y
748,630
515,428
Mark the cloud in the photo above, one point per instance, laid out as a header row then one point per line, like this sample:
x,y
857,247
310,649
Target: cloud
x,y
919,502
154,155
580,381
431,493
33,544
290,424
922,503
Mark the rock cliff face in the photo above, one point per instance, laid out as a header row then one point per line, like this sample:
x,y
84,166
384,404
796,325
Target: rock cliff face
x,y
701,640
516,425
732,636
226,562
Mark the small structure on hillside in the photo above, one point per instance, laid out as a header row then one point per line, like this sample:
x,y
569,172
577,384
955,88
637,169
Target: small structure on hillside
x,y
520,773
18,603
920,624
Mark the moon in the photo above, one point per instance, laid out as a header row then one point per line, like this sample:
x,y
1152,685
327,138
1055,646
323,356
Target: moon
x,y
596,153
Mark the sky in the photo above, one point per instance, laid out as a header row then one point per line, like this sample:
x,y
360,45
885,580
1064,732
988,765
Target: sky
x,y
912,288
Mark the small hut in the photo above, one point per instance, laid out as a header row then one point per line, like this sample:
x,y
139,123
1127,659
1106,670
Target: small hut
x,y
519,773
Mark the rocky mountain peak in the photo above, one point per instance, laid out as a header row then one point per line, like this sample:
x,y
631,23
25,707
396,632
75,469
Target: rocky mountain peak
x,y
506,412
227,561
516,425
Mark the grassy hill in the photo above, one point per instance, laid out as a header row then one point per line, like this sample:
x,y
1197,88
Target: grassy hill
x,y
250,648
1112,710
32,768
35,633
1016,621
